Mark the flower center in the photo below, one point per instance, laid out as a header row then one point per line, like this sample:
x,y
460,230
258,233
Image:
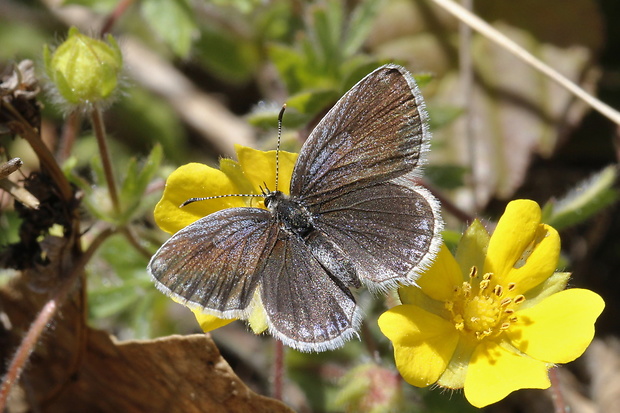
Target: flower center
x,y
483,308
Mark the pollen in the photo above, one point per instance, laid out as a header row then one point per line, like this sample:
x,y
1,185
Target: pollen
x,y
483,308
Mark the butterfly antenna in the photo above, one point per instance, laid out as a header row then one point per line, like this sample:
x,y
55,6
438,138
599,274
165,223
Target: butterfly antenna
x,y
192,200
280,116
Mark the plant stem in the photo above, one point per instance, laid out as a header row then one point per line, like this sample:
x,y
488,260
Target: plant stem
x,y
559,406
21,127
100,134
278,369
68,136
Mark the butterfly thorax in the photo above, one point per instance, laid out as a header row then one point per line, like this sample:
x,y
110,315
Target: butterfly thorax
x,y
292,216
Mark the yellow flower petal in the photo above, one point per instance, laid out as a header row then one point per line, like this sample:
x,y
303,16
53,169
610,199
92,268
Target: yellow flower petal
x,y
495,372
438,281
258,317
521,250
193,180
234,172
559,328
260,168
210,322
423,342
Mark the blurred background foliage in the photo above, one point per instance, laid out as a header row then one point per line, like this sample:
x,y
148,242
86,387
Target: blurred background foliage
x,y
200,76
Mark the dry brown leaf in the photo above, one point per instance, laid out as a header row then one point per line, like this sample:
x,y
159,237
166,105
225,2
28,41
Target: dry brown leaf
x,y
78,369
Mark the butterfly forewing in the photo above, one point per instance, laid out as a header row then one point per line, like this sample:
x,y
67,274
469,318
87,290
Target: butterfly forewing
x,y
306,308
213,263
374,133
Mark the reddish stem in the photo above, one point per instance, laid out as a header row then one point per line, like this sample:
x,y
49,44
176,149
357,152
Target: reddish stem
x,y
559,404
278,369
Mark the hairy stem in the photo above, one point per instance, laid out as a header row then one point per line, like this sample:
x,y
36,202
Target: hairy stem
x,y
100,134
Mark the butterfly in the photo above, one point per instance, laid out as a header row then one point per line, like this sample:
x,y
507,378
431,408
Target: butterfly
x,y
354,217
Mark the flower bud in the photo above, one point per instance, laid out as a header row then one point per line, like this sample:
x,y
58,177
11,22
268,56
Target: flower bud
x,y
84,70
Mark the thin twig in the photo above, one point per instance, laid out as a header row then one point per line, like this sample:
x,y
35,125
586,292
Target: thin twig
x,y
69,134
133,240
113,17
21,127
494,35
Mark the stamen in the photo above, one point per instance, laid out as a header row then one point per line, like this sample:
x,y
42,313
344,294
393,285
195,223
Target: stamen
x,y
473,273
498,290
505,302
512,286
519,299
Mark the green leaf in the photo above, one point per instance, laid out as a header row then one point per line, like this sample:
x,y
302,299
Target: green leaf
x,y
101,6
230,57
326,31
587,198
288,62
442,116
173,21
446,176
146,120
359,26
136,181
313,101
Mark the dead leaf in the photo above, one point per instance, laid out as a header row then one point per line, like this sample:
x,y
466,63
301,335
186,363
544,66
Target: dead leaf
x,y
78,369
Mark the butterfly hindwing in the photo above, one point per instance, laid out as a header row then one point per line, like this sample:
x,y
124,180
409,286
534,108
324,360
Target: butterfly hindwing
x,y
306,308
389,231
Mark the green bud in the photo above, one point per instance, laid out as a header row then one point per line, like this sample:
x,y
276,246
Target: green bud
x,y
84,70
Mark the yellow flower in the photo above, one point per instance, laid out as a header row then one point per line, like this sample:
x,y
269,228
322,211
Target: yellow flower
x,y
255,170
497,317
